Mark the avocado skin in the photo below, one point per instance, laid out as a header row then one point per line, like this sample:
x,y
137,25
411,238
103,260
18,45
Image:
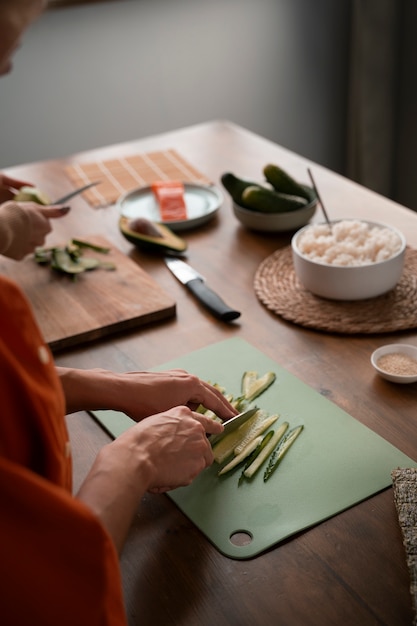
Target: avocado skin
x,y
268,201
168,242
284,183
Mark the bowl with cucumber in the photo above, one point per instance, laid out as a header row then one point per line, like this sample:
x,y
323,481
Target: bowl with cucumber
x,y
278,204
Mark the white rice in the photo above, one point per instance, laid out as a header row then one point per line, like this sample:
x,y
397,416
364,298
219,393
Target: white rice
x,y
348,242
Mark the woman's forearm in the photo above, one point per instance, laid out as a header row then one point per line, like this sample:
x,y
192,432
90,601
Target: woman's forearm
x,y
114,487
139,394
90,390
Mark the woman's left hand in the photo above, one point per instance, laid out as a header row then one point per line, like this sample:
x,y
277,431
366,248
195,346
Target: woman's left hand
x,y
10,186
140,394
154,392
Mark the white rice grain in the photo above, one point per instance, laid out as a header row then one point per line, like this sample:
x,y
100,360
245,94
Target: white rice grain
x,y
348,243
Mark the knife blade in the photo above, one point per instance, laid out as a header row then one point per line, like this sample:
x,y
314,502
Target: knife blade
x,y
74,193
233,423
196,284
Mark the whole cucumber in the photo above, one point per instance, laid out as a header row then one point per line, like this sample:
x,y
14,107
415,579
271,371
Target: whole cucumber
x,y
269,201
236,186
284,183
310,193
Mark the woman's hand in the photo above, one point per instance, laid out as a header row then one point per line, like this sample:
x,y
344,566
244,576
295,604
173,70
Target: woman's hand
x,y
177,448
140,394
27,224
162,390
10,186
161,452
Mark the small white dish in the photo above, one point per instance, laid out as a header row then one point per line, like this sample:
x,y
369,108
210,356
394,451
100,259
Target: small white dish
x,y
396,357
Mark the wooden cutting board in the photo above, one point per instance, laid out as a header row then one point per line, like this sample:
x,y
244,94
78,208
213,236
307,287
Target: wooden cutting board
x,y
335,463
95,304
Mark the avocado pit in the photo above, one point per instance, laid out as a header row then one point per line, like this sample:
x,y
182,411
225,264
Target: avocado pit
x,y
143,226
150,236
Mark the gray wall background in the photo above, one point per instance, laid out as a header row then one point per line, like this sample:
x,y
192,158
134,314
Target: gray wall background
x,y
96,74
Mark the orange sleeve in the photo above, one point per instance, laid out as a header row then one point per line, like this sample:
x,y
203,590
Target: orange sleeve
x,y
32,427
58,566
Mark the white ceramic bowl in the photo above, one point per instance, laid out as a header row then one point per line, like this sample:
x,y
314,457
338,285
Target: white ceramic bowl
x,y
275,222
397,368
342,282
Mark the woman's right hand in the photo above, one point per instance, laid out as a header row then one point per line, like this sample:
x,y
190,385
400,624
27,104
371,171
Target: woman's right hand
x,y
29,224
173,445
160,453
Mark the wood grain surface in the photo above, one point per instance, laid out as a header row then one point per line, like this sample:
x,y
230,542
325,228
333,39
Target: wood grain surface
x,y
350,569
74,310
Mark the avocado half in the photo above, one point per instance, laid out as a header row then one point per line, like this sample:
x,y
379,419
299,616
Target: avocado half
x,y
32,194
151,236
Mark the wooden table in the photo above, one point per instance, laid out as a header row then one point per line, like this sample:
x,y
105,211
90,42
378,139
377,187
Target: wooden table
x,y
348,570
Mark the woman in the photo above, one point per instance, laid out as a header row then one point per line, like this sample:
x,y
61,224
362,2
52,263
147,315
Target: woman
x,y
59,551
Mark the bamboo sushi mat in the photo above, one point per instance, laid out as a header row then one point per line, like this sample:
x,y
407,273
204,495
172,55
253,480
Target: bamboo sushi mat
x,y
118,176
405,497
277,287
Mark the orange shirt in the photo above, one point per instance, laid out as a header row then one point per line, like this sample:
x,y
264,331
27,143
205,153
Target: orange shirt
x,y
58,565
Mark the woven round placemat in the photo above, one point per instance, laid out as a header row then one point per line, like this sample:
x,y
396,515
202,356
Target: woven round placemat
x,y
278,288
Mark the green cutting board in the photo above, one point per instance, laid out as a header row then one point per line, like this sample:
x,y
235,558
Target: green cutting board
x,y
335,463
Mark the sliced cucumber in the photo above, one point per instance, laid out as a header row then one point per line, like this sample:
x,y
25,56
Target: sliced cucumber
x,y
80,243
252,386
225,446
264,453
239,458
278,454
266,439
63,262
259,427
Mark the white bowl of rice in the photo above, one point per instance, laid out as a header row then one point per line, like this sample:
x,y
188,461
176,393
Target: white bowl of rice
x,y
348,260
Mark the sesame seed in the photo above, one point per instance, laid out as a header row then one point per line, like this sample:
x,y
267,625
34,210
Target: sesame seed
x,y
398,364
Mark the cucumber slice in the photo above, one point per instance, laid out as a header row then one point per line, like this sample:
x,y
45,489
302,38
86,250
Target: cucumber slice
x,y
267,438
252,386
80,243
239,458
265,451
259,427
225,446
63,262
278,454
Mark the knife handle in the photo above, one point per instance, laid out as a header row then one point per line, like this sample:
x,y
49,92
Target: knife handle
x,y
212,301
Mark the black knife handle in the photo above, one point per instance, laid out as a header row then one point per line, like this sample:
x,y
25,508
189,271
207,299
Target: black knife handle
x,y
212,301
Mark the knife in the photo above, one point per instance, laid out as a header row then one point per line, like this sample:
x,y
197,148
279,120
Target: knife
x,y
74,193
233,423
196,284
